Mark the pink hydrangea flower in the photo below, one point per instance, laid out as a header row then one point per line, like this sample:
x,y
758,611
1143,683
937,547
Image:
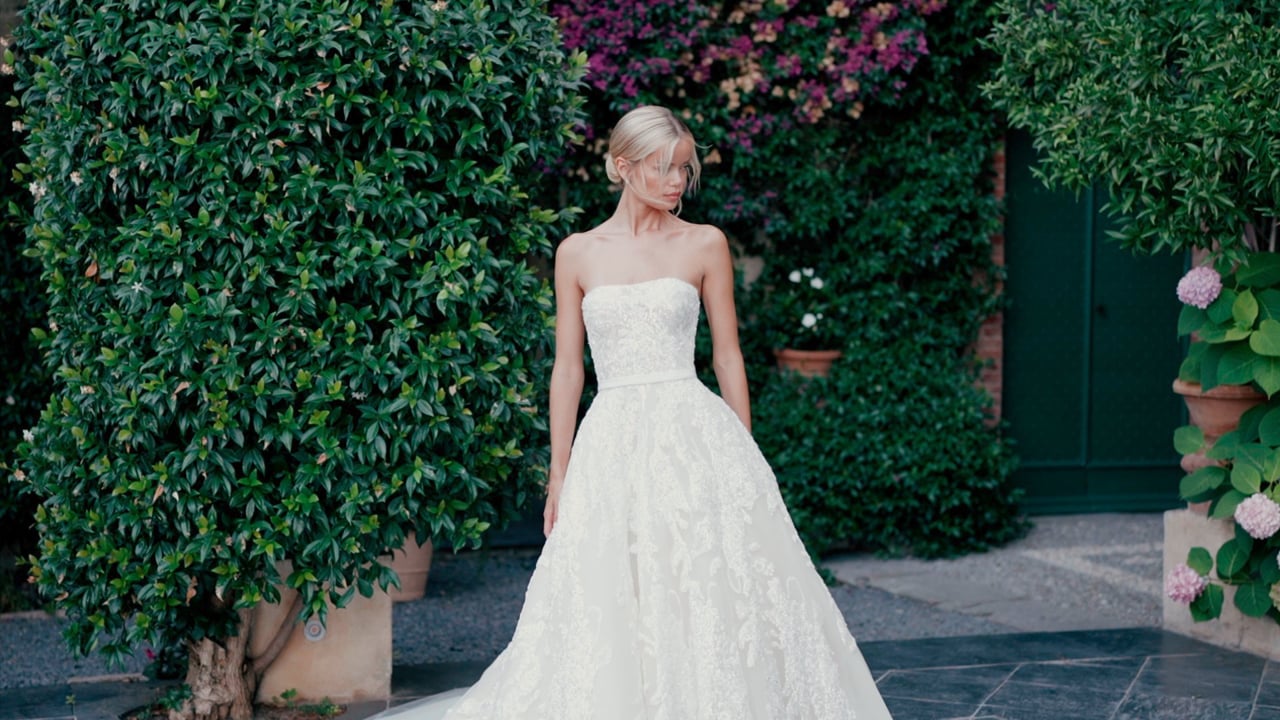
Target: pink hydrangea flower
x,y
1184,585
1200,287
1259,515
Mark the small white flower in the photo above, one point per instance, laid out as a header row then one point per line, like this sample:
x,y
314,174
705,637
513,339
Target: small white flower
x,y
18,126
53,325
115,172
28,436
816,283
794,276
439,6
19,475
809,320
808,272
8,400
359,395
138,287
37,190
86,390
76,178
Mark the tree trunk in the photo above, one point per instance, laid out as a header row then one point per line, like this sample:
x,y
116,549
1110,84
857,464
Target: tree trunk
x,y
223,677
220,677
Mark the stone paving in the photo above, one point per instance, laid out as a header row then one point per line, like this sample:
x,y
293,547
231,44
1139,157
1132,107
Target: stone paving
x,y
1062,625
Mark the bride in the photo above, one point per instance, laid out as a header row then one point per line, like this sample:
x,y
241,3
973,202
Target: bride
x,y
672,585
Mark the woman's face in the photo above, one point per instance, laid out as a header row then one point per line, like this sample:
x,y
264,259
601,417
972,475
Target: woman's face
x,y
663,187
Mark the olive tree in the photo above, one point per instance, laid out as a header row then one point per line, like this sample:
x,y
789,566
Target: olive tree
x,y
293,308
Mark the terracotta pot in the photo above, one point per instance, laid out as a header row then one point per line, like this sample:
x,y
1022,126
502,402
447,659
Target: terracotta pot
x,y
809,363
1217,412
412,563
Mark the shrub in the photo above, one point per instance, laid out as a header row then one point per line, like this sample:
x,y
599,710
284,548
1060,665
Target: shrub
x,y
292,312
885,459
24,383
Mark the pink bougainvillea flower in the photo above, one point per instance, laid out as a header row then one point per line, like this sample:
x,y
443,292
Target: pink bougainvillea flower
x,y
1200,287
1184,585
1259,515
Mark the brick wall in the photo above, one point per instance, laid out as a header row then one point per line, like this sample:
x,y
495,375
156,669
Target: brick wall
x,y
989,347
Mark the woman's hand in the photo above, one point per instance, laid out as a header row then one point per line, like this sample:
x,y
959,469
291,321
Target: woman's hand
x,y
552,508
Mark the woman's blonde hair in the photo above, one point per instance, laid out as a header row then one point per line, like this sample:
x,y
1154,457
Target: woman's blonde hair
x,y
644,131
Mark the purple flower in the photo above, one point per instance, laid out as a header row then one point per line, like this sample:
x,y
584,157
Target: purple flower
x,y
1259,515
1184,585
1200,287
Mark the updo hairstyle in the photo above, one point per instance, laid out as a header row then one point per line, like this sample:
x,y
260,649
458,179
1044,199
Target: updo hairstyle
x,y
644,131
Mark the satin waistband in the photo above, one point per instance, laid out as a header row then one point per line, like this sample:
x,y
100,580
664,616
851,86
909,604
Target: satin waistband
x,y
648,378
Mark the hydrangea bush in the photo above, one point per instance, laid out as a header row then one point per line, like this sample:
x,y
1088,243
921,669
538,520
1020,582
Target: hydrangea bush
x,y
1233,316
1243,485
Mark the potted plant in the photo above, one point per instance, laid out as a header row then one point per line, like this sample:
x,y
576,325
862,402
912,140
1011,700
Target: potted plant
x,y
1242,490
1170,107
798,310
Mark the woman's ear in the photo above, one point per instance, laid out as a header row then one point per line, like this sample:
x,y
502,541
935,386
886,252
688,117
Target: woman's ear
x,y
624,167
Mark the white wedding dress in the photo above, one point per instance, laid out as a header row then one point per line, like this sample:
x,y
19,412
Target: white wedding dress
x,y
674,585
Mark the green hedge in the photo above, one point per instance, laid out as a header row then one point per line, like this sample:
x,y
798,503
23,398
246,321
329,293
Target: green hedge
x,y
288,250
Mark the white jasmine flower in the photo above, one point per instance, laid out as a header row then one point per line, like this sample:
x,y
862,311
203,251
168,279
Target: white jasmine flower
x,y
19,475
809,320
28,436
8,400
18,126
86,390
138,287
816,283
808,272
794,276
76,178
37,190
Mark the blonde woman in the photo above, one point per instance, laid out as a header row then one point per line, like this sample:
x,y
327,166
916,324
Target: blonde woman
x,y
672,585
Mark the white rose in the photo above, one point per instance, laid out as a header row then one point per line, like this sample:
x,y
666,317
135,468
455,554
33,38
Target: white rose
x,y
809,320
794,276
816,283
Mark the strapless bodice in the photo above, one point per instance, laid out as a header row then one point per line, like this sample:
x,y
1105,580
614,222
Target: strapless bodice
x,y
642,332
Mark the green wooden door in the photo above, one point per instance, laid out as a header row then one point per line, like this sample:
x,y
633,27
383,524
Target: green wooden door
x,y
1090,353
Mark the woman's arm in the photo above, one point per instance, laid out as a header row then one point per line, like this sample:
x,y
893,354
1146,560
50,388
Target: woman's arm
x,y
566,374
722,317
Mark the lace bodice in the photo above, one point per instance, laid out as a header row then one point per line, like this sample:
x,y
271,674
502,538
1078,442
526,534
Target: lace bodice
x,y
642,332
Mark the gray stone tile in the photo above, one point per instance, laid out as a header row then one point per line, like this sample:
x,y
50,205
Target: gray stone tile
x,y
1031,700
1109,675
48,701
1218,675
1149,707
966,686
912,709
1265,712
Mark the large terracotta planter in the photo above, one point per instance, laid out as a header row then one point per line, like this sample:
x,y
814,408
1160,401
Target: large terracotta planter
x,y
1216,412
810,363
412,563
